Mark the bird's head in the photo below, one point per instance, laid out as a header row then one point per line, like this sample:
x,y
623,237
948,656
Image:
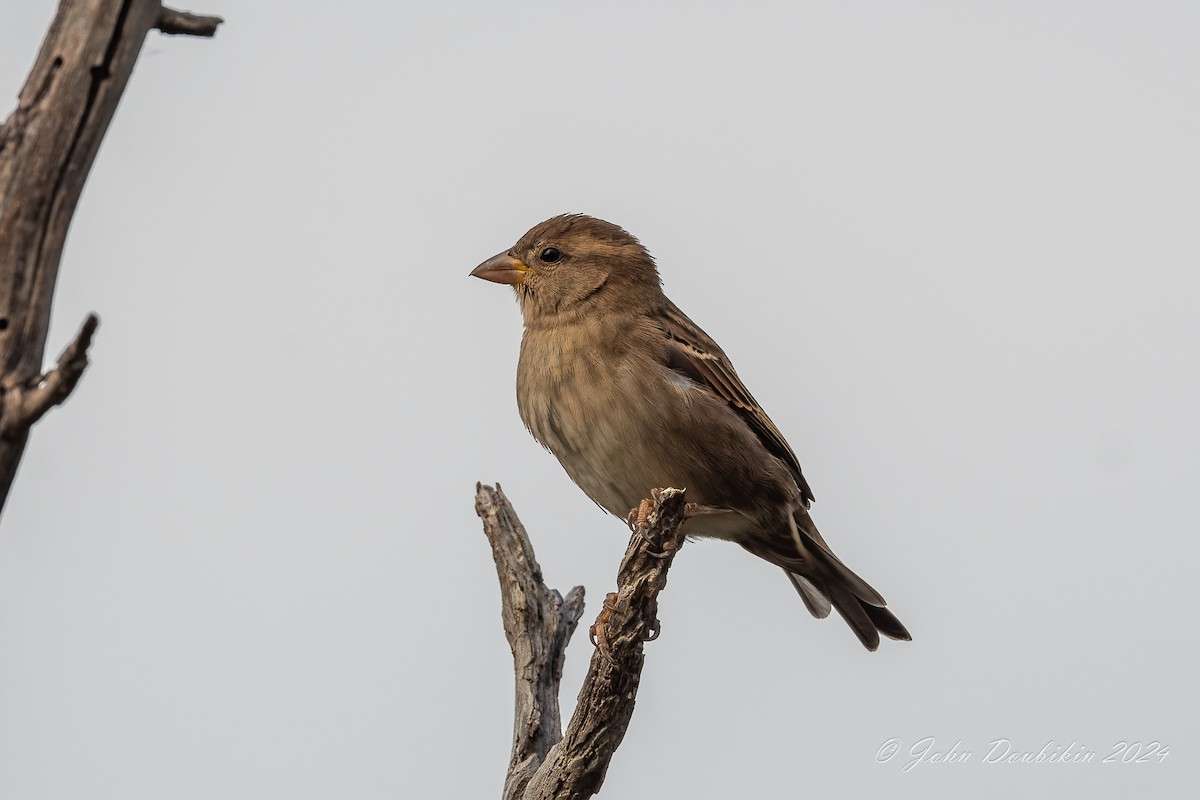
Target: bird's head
x,y
570,261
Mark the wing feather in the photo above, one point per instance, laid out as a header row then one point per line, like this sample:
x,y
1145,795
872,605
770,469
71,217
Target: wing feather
x,y
691,352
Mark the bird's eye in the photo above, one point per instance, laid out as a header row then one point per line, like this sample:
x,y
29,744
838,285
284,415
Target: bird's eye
x,y
551,254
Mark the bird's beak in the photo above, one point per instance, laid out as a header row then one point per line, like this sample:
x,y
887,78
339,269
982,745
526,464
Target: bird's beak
x,y
502,268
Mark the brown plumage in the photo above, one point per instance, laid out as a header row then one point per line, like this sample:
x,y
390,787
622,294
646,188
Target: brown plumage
x,y
629,394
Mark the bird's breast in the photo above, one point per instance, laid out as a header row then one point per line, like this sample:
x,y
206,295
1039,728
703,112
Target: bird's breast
x,y
591,412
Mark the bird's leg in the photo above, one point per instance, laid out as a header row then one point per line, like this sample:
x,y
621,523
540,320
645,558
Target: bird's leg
x,y
598,633
698,510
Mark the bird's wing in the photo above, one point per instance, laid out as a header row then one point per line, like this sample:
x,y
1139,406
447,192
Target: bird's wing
x,y
691,352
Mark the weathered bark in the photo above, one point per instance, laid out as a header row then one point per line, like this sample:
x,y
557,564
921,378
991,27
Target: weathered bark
x,y
538,623
47,147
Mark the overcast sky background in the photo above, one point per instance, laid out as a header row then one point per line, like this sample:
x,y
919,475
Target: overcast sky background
x,y
952,248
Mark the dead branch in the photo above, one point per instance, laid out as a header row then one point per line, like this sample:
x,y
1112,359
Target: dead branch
x,y
25,405
47,147
183,23
538,623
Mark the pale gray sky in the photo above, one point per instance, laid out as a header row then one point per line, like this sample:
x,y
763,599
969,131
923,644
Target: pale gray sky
x,y
952,248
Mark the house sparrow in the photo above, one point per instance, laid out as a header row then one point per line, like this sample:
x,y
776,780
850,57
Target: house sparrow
x,y
630,395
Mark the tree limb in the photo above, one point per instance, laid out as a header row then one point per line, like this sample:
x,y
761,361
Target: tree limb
x,y
47,146
25,405
538,623
184,23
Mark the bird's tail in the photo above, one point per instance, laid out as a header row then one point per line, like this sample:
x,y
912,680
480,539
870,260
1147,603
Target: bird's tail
x,y
825,583
864,617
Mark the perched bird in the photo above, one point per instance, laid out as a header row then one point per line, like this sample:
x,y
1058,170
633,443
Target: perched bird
x,y
630,395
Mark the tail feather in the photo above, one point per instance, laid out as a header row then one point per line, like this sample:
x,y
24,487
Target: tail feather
x,y
866,620
824,582
812,541
854,612
887,623
814,599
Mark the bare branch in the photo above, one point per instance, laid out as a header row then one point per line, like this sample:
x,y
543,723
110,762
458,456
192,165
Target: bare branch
x,y
25,405
47,146
184,23
543,765
538,623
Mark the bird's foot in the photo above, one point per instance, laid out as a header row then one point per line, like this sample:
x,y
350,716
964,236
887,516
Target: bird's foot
x,y
654,628
636,517
639,518
598,633
639,522
666,551
689,510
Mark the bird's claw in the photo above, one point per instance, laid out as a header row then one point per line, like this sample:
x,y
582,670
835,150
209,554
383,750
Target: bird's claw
x,y
639,522
654,627
639,518
668,549
598,632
